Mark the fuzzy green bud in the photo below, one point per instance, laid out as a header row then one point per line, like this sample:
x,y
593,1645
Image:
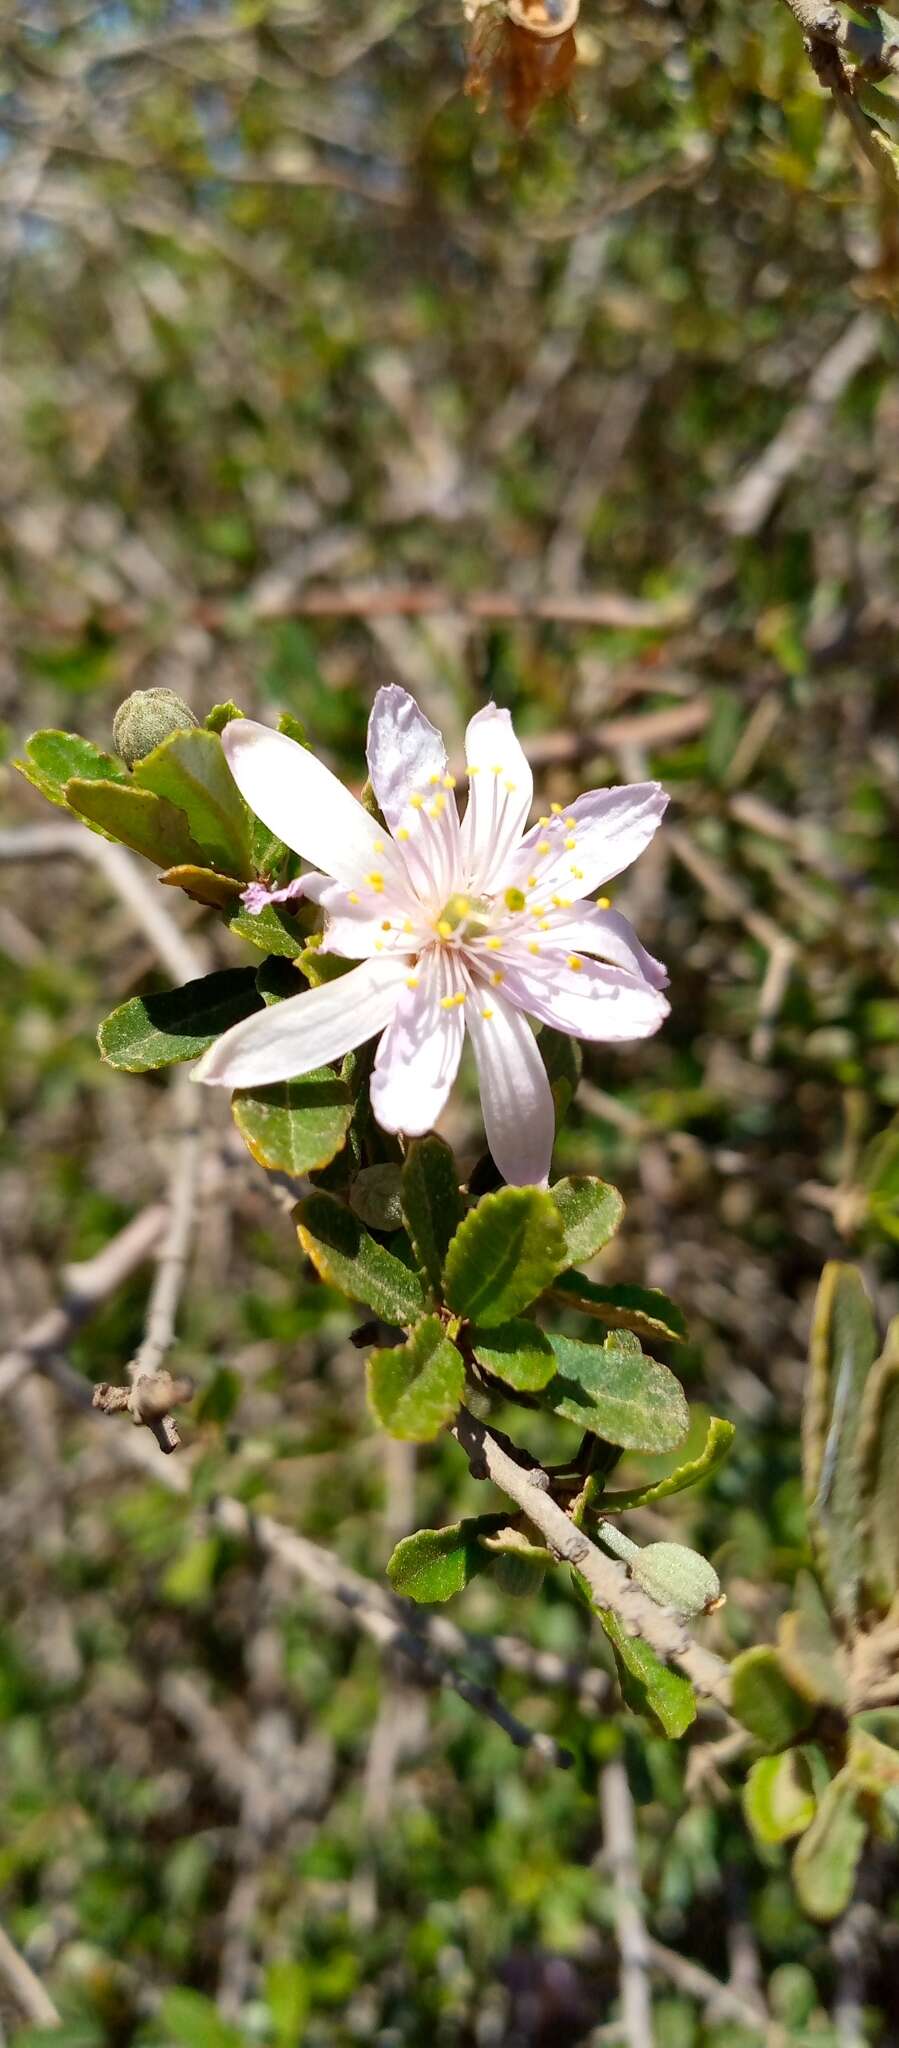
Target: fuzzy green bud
x,y
145,719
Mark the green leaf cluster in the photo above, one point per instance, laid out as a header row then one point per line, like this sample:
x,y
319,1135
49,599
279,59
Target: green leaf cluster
x,y
814,1702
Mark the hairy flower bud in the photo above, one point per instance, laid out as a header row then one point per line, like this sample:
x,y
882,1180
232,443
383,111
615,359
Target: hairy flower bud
x,y
146,718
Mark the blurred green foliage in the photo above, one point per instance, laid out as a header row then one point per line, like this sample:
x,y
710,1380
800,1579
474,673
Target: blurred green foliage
x,y
283,311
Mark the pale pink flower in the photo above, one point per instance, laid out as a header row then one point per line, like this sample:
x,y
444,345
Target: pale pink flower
x,y
470,924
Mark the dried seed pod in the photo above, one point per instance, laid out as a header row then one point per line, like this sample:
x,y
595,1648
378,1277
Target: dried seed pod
x,y
544,18
524,65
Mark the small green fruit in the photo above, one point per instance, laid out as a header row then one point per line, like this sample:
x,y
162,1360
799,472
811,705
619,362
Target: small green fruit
x,y
145,719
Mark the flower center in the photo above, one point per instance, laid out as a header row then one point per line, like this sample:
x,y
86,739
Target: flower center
x,y
464,918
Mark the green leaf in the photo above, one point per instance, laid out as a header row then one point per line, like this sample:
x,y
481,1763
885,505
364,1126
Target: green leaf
x,y
645,1310
294,728
319,967
878,1454
826,1860
778,1799
435,1564
345,1256
178,1024
204,885
591,1211
676,1577
843,1348
192,2021
763,1699
415,1389
874,1764
53,758
221,715
518,1566
719,1437
432,1204
277,979
136,818
375,1196
189,770
563,1060
271,929
503,1255
295,1126
808,1648
647,1685
618,1393
516,1352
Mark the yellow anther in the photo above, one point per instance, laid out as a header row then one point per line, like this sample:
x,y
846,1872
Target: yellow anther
x,y
486,1014
444,928
571,824
562,902
514,899
436,809
498,769
352,897
416,802
407,924
452,1002
385,924
449,782
543,821
375,881
543,924
497,978
403,832
570,843
533,946
574,963
543,846
494,944
510,786
378,846
578,873
605,903
434,781
532,881
556,810
474,769
412,981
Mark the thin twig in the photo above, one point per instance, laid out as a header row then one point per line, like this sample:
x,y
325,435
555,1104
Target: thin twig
x,y
746,507
171,1269
386,1621
708,1991
607,1580
620,1858
181,956
85,1286
26,1988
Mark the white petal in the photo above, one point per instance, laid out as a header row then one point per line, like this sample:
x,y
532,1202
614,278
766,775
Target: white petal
x,y
519,1118
406,754
576,850
501,791
297,797
419,1054
587,929
591,1001
359,924
307,1030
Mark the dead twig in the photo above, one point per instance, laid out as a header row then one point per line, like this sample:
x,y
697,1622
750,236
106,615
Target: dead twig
x,y
744,509
182,957
620,1858
27,1989
85,1286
